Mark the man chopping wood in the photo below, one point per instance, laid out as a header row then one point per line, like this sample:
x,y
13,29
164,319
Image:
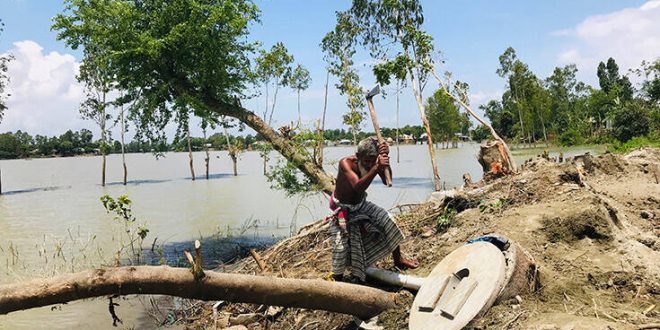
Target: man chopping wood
x,y
363,232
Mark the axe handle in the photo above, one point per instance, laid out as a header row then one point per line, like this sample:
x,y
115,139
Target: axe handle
x,y
374,120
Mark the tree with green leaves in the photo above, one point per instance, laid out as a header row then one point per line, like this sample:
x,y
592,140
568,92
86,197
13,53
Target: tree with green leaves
x,y
444,116
273,67
612,83
299,81
338,46
192,51
98,84
651,84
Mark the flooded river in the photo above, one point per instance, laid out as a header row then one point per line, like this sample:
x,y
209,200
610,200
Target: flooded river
x,y
51,219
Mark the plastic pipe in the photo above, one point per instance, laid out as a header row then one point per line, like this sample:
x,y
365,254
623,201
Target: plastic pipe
x,y
406,281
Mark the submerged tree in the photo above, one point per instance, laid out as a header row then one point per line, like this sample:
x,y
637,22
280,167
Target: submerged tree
x,y
193,51
273,67
98,84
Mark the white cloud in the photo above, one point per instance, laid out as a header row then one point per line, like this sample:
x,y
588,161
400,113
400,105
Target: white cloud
x,y
629,36
45,95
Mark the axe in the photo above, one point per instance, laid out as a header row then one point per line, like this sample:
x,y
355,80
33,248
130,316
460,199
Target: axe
x,y
375,91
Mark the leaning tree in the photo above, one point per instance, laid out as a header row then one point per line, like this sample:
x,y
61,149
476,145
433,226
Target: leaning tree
x,y
195,52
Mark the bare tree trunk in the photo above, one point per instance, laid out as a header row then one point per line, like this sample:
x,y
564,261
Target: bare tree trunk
x,y
208,157
265,163
427,127
270,118
123,151
190,156
299,116
398,151
321,131
232,153
358,300
103,144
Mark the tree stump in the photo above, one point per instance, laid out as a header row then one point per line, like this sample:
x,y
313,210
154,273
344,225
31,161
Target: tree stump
x,y
492,159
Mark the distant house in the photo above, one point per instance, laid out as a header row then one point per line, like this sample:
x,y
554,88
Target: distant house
x,y
462,137
422,138
406,138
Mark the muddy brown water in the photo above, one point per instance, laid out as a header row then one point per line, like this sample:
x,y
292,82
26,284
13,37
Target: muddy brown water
x,y
51,219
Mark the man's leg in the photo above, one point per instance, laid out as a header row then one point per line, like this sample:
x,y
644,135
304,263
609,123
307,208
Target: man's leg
x,y
402,262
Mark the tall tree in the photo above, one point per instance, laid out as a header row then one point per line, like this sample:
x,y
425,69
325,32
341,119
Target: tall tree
x,y
273,67
338,46
192,51
98,84
512,69
299,81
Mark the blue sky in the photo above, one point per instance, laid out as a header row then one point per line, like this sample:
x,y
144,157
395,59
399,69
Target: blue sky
x,y
471,35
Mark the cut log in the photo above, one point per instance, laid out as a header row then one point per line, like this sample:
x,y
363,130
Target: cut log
x,y
357,300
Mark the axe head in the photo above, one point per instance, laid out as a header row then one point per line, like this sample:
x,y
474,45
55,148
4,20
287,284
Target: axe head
x,y
375,91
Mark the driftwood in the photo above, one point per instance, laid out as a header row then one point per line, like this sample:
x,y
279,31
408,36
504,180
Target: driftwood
x,y
361,301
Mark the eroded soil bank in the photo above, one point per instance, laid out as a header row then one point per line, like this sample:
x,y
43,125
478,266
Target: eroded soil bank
x,y
591,223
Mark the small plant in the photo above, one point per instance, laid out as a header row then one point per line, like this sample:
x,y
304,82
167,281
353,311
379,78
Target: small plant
x,y
445,220
135,234
497,205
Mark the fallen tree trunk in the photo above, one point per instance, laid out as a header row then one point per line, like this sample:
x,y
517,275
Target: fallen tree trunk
x,y
361,301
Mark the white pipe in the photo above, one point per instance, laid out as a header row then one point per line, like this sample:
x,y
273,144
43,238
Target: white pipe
x,y
406,281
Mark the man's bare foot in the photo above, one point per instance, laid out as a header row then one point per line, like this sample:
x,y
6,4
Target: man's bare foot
x,y
406,263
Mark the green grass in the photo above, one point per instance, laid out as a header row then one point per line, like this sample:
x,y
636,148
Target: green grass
x,y
635,143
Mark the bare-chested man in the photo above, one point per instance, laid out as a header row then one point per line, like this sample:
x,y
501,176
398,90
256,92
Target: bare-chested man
x,y
363,232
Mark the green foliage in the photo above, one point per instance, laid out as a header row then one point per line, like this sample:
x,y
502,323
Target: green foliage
x,y
444,116
286,176
631,120
480,133
134,233
162,52
300,78
445,220
652,140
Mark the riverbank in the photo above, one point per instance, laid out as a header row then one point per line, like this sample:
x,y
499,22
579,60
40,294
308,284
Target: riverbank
x,y
591,223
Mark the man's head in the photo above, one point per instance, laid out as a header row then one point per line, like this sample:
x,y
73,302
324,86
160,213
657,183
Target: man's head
x,y
367,153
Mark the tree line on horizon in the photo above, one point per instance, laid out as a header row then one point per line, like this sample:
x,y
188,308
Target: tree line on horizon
x,y
19,144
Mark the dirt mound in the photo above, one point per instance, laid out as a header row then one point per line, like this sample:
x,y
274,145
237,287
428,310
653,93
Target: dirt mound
x,y
591,223
584,224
